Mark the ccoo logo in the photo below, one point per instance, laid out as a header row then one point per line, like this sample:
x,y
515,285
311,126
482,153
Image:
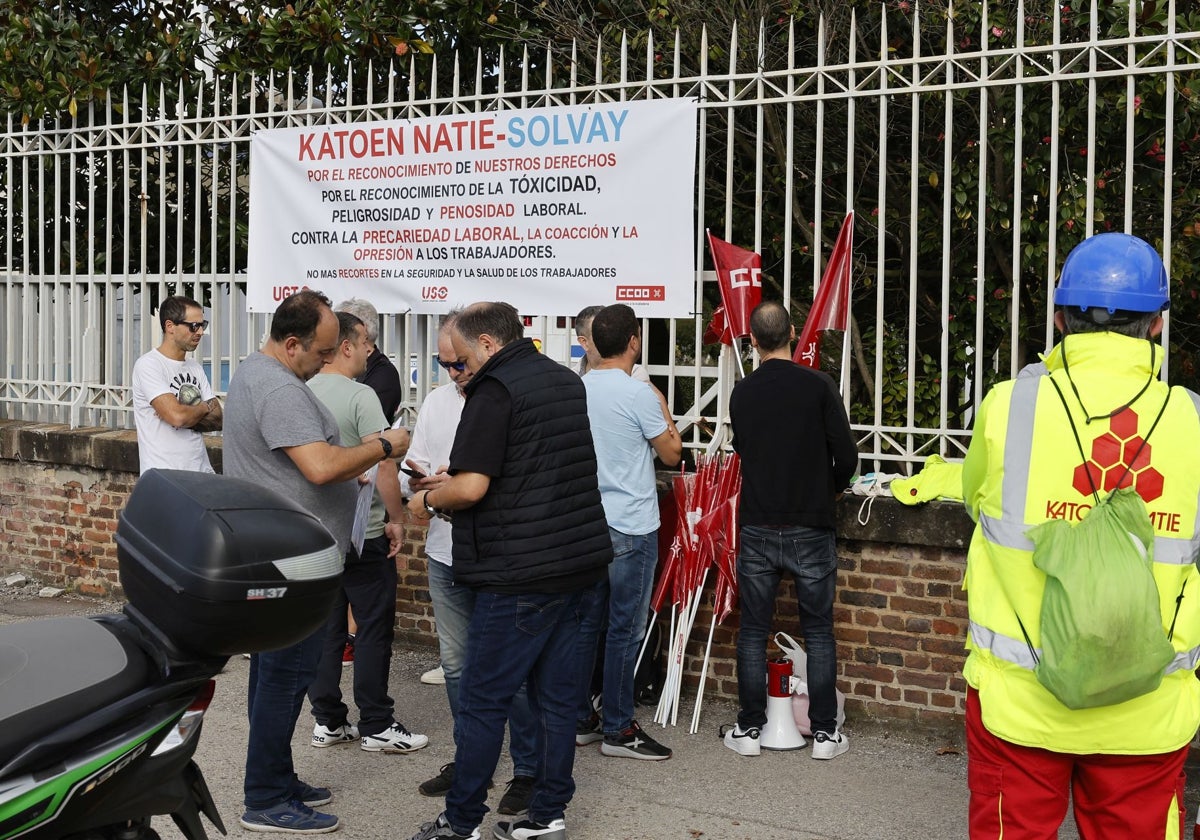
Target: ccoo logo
x,y
641,293
1120,458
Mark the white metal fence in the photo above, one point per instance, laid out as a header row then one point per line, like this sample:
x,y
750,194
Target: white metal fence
x,y
973,167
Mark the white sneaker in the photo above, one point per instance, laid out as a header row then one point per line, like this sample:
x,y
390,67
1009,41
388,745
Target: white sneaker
x,y
323,736
742,742
826,746
434,676
394,739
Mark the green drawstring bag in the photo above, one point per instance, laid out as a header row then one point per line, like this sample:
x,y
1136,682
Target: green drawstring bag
x,y
1102,633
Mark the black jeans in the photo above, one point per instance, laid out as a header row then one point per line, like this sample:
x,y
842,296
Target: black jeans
x,y
369,587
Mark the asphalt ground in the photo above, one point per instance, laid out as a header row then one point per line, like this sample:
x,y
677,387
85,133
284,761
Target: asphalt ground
x,y
893,783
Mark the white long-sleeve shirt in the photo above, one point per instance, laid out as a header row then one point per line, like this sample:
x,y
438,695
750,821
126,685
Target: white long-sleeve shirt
x,y
432,440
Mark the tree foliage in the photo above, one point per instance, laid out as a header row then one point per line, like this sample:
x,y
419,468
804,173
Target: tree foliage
x,y
955,156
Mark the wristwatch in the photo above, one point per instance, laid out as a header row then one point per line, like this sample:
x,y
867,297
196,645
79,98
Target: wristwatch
x,y
387,447
430,509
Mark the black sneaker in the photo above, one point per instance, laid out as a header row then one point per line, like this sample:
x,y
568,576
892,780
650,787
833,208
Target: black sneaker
x,y
516,798
634,743
530,830
588,731
440,784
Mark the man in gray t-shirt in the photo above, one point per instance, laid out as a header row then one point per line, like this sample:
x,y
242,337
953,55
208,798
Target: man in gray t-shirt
x,y
279,435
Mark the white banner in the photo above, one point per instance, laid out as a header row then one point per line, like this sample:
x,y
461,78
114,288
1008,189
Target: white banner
x,y
550,209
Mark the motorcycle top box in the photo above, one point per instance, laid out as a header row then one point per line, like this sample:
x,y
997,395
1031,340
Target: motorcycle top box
x,y
221,566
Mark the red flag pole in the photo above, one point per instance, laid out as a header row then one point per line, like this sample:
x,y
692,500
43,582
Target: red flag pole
x,y
831,307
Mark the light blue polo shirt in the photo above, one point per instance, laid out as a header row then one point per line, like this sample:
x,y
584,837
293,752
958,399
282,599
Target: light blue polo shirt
x,y
625,415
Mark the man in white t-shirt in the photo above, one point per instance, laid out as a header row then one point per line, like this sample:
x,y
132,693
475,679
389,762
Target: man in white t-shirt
x,y
173,402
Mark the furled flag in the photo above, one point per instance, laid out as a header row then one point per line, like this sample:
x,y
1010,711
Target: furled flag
x,y
739,274
831,308
717,329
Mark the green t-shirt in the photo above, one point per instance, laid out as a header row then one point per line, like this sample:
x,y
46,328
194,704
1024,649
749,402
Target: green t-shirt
x,y
358,413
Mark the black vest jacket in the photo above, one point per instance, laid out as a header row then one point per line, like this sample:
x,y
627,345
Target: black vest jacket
x,y
540,527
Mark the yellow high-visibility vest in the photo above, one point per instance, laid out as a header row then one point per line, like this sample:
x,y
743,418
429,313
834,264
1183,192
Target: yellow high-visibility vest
x,y
1024,467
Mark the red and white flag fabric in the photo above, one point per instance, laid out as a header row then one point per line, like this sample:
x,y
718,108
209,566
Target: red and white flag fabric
x,y
831,308
739,274
717,329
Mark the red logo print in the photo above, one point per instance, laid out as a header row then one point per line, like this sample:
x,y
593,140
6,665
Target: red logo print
x,y
1120,455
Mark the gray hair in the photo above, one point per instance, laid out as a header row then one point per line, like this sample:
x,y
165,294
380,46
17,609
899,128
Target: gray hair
x,y
365,312
1131,324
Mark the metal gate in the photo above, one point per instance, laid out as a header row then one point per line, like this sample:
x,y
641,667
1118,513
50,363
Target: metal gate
x,y
975,142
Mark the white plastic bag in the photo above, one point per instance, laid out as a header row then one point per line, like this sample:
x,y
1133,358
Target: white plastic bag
x,y
792,650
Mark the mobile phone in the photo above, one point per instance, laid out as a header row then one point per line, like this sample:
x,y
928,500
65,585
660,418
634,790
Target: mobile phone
x,y
413,473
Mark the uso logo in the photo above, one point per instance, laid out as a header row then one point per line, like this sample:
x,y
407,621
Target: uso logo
x,y
435,292
645,294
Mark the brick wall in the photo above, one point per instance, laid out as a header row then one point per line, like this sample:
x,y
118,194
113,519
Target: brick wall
x,y
900,613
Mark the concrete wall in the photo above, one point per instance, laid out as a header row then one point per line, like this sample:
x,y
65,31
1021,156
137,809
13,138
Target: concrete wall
x,y
900,614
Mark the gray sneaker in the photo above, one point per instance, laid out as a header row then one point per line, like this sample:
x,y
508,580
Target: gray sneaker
x,y
530,830
291,817
440,829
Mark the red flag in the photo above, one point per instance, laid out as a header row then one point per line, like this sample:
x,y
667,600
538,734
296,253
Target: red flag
x,y
831,308
717,329
739,273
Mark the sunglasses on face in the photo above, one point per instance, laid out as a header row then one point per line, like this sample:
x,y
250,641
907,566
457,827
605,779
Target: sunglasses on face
x,y
194,326
457,367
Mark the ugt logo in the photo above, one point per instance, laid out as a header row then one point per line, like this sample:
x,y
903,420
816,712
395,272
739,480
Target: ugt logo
x,y
1120,458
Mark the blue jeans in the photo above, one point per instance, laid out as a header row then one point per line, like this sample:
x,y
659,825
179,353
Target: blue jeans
x,y
278,681
452,608
622,602
809,555
512,639
369,588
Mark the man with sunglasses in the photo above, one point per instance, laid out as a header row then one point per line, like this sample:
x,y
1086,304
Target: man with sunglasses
x,y
429,454
173,401
529,538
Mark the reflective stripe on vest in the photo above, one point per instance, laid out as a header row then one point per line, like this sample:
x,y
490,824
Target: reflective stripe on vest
x,y
1009,531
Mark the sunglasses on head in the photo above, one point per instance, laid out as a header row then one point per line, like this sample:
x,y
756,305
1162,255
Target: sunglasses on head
x,y
194,326
457,367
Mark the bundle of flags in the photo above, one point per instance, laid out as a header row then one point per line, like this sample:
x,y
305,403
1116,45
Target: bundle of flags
x,y
702,535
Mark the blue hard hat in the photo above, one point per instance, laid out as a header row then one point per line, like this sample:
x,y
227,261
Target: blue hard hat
x,y
1113,271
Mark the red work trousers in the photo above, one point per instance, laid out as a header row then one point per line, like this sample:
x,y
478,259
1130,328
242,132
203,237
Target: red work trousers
x,y
1021,793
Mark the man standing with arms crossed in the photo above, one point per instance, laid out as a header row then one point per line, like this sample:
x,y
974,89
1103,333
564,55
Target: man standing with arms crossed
x,y
1028,754
629,428
797,454
529,536
432,441
279,435
369,578
173,401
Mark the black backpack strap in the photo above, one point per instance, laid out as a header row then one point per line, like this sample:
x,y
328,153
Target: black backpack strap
x,y
1079,443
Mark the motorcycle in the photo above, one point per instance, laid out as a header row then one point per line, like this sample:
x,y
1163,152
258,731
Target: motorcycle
x,y
100,717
